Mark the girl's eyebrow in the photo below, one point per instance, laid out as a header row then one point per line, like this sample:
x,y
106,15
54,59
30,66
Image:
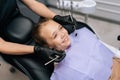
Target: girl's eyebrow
x,y
55,31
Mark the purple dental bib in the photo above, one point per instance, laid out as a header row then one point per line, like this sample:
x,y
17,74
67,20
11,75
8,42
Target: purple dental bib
x,y
86,59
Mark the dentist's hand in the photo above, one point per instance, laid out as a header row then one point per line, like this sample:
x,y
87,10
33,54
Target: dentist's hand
x,y
68,22
63,20
49,53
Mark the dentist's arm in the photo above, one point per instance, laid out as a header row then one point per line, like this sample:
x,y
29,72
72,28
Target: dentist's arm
x,y
39,8
21,49
15,48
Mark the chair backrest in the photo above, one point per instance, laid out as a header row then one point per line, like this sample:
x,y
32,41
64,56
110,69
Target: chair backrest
x,y
14,26
8,9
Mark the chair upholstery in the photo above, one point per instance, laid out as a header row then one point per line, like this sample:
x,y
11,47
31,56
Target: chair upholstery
x,y
15,27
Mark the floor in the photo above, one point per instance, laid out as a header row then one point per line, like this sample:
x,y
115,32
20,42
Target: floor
x,y
6,73
106,31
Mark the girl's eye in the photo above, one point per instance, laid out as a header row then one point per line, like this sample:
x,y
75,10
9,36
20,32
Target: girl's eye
x,y
55,36
61,27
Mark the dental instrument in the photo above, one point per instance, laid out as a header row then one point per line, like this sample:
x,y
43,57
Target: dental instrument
x,y
56,57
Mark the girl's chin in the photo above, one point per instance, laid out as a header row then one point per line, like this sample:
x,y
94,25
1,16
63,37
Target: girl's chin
x,y
68,45
64,47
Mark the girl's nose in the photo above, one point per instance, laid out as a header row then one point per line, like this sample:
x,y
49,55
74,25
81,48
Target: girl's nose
x,y
62,35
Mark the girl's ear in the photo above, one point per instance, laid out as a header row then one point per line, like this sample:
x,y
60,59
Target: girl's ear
x,y
45,45
51,47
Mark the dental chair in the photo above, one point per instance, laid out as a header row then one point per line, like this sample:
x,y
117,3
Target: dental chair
x,y
14,27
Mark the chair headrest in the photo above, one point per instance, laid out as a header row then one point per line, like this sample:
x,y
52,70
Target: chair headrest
x,y
19,30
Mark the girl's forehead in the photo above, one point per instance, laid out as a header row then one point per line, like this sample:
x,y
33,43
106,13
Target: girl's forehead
x,y
49,29
50,25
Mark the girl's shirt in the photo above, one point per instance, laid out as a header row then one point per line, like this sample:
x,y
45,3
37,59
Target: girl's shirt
x,y
86,59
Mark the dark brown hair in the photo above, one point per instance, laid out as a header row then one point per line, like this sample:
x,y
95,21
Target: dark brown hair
x,y
38,39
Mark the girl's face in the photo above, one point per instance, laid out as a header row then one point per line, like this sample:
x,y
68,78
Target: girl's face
x,y
55,35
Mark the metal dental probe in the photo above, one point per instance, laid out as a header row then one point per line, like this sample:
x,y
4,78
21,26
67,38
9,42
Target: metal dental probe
x,y
52,60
